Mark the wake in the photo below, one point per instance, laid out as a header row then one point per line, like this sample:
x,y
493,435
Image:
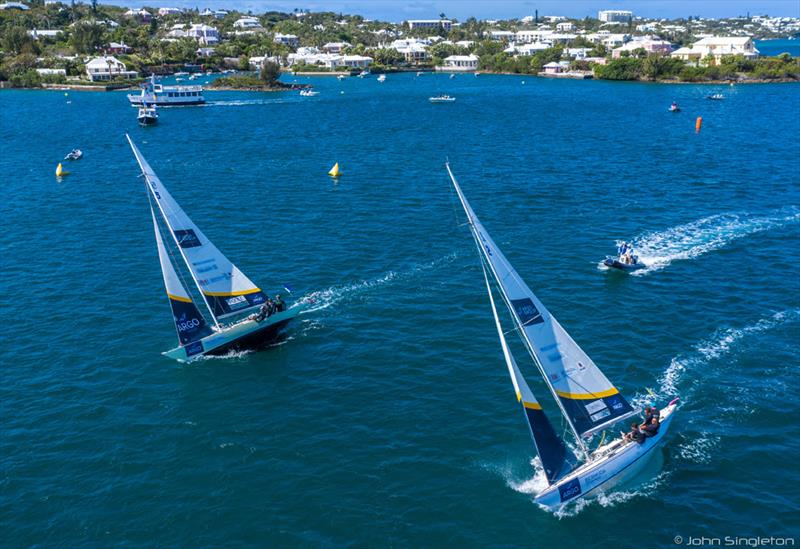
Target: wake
x,y
657,250
323,299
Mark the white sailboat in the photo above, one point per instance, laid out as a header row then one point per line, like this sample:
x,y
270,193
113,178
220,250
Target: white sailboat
x,y
228,294
587,400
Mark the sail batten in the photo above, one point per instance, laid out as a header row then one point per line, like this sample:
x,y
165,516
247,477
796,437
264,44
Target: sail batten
x,y
225,289
586,398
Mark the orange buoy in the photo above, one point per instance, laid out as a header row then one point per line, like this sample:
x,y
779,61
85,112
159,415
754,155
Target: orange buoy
x,y
698,124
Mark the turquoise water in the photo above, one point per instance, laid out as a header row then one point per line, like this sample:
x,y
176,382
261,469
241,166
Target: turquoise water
x,y
777,47
387,417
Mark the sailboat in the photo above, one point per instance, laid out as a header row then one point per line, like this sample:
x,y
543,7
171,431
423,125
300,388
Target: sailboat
x,y
227,292
587,400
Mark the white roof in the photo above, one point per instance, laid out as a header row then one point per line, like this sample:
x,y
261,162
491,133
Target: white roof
x,y
470,57
552,64
723,40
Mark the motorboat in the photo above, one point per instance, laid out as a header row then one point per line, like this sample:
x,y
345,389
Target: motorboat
x,y
74,154
589,403
147,115
716,97
442,99
308,93
364,74
618,263
341,77
228,294
382,78
154,93
674,108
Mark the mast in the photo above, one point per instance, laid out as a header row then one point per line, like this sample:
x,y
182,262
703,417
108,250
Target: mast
x,y
506,300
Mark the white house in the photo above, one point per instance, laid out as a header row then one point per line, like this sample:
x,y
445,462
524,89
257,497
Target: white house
x,y
461,63
168,11
216,14
142,15
41,33
445,24
718,47
530,49
356,61
335,47
248,23
502,35
205,52
565,26
286,39
48,72
413,50
107,68
204,34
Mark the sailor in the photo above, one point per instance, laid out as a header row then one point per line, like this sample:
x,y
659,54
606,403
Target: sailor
x,y
651,429
635,434
270,305
263,312
280,305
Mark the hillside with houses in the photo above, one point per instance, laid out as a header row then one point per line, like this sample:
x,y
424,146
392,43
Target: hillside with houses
x,y
89,43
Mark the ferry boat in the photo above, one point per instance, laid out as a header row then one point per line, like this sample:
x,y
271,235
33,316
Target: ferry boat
x,y
164,96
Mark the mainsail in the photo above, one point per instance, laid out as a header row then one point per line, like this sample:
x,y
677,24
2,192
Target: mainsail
x,y
548,444
189,322
224,287
586,397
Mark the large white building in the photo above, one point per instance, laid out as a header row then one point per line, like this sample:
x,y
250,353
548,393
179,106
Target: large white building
x,y
615,16
107,68
445,24
718,47
286,39
248,23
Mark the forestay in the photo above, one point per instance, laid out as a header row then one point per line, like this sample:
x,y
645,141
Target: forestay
x,y
225,288
189,322
586,397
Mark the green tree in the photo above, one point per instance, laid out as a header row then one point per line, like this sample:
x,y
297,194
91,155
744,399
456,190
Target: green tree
x,y
86,37
270,71
387,56
16,40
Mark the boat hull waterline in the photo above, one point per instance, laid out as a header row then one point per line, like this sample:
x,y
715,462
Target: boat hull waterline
x,y
617,264
617,461
242,336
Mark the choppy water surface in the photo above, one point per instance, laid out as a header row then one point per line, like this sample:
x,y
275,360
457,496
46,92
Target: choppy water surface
x,y
387,417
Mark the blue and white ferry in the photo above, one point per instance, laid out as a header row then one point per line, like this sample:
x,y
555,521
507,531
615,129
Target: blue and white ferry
x,y
164,96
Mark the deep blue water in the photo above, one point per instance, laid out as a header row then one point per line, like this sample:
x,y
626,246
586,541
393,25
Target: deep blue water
x,y
777,47
387,418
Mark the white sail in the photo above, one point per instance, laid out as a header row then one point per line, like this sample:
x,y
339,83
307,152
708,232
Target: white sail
x,y
587,398
224,287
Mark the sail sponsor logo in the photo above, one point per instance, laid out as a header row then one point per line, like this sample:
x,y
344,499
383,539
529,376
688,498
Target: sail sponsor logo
x,y
597,410
526,311
207,281
187,325
187,238
615,402
194,348
236,302
570,490
207,269
486,245
600,415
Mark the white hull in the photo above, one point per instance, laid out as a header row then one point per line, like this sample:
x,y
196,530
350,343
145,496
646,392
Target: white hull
x,y
230,336
612,464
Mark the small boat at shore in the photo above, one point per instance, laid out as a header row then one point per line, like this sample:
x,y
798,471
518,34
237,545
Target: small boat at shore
x,y
382,78
147,115
74,154
341,77
364,74
442,99
589,403
229,295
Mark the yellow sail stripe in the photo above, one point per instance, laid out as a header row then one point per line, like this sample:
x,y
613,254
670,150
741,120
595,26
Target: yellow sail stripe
x,y
587,396
230,294
179,298
532,405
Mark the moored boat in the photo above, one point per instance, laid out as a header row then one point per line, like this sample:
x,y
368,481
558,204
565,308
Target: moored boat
x,y
441,99
229,295
587,400
154,93
308,93
715,97
74,154
382,78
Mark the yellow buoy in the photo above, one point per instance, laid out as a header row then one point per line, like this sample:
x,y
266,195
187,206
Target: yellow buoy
x,y
60,172
335,172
